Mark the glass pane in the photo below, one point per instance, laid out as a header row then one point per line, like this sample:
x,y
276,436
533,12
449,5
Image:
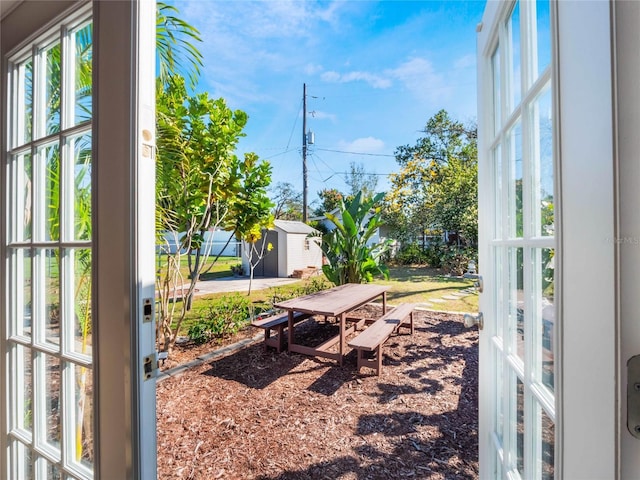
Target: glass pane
x,y
520,427
516,302
21,277
23,468
83,40
50,156
53,84
547,446
500,293
25,103
81,261
22,181
52,400
515,191
499,393
53,472
543,34
82,186
51,259
514,30
83,416
498,199
23,369
543,163
546,274
497,104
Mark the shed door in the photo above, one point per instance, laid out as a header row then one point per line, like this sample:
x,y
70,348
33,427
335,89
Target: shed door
x,y
270,261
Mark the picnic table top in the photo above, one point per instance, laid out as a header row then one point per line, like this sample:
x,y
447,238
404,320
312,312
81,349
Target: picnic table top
x,y
335,301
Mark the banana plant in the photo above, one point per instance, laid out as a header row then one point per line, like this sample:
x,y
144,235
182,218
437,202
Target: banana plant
x,y
351,257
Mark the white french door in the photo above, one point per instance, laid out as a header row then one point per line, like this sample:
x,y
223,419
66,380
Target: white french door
x,y
50,379
518,248
559,112
77,272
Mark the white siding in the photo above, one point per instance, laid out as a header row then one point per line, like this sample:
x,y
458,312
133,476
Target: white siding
x,y
297,257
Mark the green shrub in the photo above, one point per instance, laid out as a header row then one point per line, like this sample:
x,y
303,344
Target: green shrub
x,y
223,317
411,254
315,284
455,260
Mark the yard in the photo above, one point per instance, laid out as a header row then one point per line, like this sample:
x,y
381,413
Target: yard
x,y
253,414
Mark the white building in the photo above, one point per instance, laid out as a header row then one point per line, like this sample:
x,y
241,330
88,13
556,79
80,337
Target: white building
x,y
294,247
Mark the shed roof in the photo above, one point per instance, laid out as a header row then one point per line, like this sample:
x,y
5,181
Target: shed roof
x,y
291,226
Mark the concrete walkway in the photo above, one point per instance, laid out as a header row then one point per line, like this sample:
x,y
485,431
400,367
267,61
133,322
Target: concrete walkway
x,y
240,284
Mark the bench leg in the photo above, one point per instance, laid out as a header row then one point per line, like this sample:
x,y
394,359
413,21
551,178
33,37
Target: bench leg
x,y
280,338
267,334
379,359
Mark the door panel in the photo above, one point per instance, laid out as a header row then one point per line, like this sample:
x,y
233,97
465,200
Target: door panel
x,y
77,241
517,243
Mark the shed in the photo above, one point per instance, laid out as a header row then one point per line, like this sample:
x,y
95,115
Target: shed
x,y
294,250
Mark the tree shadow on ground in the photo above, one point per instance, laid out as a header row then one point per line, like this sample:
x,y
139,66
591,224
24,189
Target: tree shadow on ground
x,y
423,445
261,368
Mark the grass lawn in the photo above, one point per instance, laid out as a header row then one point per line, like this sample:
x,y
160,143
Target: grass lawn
x,y
408,284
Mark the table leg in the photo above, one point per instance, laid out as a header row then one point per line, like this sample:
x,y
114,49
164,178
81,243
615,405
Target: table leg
x,y
384,302
290,330
343,326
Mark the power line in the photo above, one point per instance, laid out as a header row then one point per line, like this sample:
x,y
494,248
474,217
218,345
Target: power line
x,y
357,153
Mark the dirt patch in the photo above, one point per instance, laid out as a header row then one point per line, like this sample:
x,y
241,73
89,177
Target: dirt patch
x,y
263,415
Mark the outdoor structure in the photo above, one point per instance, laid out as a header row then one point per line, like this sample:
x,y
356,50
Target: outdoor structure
x,y
215,243
559,112
293,250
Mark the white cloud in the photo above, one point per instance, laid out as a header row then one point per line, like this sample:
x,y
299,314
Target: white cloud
x,y
320,115
363,145
312,69
419,76
466,61
375,81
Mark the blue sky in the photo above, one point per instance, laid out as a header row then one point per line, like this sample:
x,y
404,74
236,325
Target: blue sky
x,y
375,73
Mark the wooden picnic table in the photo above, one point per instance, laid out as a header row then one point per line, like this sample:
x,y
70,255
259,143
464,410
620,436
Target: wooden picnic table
x,y
335,302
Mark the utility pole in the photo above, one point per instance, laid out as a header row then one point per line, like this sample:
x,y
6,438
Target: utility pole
x,y
305,186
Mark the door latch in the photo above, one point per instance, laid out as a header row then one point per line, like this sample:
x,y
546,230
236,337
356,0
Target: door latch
x,y
471,320
149,366
633,396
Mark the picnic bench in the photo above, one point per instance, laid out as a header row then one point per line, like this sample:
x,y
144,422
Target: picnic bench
x,y
373,337
277,322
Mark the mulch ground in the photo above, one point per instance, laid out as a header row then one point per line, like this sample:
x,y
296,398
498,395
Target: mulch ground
x,y
267,416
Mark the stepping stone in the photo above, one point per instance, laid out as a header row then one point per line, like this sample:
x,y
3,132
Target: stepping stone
x,y
450,297
438,300
459,294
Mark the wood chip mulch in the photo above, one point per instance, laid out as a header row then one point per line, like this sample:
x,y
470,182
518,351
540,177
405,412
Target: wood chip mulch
x,y
266,416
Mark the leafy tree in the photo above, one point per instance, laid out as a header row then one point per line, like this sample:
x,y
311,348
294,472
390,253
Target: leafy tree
x,y
251,210
288,202
436,188
330,199
350,259
360,181
198,183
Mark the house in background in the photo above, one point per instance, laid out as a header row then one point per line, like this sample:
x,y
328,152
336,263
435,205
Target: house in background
x,y
295,251
215,243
